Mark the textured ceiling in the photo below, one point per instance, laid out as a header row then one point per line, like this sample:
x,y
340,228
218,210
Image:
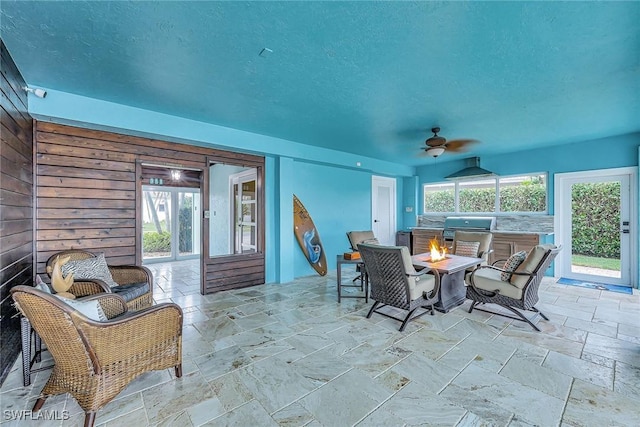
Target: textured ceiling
x,y
364,77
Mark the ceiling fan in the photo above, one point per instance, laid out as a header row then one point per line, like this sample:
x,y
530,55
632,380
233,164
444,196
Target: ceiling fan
x,y
436,145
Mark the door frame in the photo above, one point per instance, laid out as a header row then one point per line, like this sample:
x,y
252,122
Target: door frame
x,y
561,219
233,271
382,181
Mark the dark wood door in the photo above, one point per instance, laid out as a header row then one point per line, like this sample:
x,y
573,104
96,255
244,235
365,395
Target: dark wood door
x,y
233,223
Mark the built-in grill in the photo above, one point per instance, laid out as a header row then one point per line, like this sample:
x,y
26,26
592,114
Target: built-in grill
x,y
467,223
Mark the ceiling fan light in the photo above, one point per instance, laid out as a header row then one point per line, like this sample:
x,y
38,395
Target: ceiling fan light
x,y
434,151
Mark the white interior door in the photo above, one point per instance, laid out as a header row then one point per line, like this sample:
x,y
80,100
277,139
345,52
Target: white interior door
x,y
596,239
383,209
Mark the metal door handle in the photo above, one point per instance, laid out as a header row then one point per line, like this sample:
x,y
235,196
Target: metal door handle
x,y
375,220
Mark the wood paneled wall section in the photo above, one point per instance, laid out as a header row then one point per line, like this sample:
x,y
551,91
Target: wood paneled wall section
x,y
16,204
88,190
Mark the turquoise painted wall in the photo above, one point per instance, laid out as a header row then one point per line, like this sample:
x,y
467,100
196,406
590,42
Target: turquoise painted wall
x,y
338,200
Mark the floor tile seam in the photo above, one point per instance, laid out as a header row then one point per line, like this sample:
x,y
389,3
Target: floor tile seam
x,y
309,392
514,413
144,408
382,403
225,412
566,403
507,361
124,413
394,364
451,348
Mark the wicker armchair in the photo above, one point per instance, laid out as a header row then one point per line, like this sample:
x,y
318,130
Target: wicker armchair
x,y
123,275
95,360
395,282
519,292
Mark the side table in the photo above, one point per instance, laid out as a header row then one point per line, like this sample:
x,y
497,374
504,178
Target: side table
x,y
364,284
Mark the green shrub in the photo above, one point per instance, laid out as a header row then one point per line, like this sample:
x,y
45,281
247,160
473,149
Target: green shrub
x,y
156,242
596,219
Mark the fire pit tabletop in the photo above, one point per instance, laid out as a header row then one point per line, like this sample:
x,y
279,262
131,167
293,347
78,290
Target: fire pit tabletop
x,y
450,264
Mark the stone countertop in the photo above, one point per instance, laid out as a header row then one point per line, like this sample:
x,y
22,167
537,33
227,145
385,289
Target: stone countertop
x,y
540,233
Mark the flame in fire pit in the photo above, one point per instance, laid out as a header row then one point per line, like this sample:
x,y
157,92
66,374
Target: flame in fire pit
x,y
437,252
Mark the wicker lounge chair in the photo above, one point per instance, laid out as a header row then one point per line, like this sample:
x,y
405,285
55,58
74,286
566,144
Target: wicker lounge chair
x,y
395,282
519,292
136,281
96,360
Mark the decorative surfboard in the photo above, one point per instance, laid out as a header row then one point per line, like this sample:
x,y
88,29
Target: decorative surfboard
x,y
308,237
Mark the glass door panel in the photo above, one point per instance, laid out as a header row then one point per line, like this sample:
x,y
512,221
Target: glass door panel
x,y
171,223
156,223
246,218
597,228
188,224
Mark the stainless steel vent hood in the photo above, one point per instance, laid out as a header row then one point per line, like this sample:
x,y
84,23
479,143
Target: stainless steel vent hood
x,y
473,170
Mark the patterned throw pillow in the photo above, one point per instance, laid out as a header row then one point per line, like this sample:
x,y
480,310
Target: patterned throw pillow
x,y
511,264
469,249
90,268
92,309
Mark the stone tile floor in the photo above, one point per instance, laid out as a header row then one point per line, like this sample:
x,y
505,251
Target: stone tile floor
x,y
290,355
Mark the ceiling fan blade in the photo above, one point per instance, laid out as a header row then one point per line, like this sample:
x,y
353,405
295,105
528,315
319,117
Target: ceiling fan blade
x,y
460,145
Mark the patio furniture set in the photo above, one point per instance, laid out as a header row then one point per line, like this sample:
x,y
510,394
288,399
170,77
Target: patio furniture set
x,y
108,332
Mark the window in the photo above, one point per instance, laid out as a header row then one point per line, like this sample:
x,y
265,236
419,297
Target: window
x,y
439,197
477,196
509,194
523,193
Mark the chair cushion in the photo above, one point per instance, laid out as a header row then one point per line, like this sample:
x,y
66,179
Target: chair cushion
x,y
529,264
90,268
421,284
511,264
489,280
41,285
469,249
91,309
356,237
131,291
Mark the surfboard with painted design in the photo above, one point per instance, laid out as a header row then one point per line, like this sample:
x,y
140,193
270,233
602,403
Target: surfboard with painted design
x,y
308,237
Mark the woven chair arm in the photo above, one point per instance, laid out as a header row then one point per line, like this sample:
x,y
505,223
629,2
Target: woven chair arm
x,y
151,330
89,287
113,305
126,274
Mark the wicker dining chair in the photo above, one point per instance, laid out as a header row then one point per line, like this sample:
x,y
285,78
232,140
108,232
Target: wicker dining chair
x,y
136,281
395,282
515,290
96,360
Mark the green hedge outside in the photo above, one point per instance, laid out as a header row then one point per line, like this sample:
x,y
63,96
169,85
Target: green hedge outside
x,y
522,198
153,241
596,219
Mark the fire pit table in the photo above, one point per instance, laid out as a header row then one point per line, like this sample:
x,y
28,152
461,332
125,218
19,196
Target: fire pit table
x,y
452,270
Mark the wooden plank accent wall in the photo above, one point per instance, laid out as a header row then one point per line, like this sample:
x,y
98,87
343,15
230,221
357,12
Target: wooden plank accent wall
x,y
16,204
88,195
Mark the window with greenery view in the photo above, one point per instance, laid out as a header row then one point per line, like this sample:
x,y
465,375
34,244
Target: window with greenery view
x,y
510,194
439,197
477,196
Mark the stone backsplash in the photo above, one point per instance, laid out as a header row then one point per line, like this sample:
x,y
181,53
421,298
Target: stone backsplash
x,y
525,223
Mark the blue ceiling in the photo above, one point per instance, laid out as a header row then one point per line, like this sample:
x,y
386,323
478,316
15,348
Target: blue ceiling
x,y
369,78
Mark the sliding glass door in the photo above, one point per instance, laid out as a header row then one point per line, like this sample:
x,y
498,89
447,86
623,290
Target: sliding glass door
x,y
171,223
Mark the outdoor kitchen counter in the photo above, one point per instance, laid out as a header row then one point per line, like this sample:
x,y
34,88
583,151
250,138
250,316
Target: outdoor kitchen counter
x,y
505,242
